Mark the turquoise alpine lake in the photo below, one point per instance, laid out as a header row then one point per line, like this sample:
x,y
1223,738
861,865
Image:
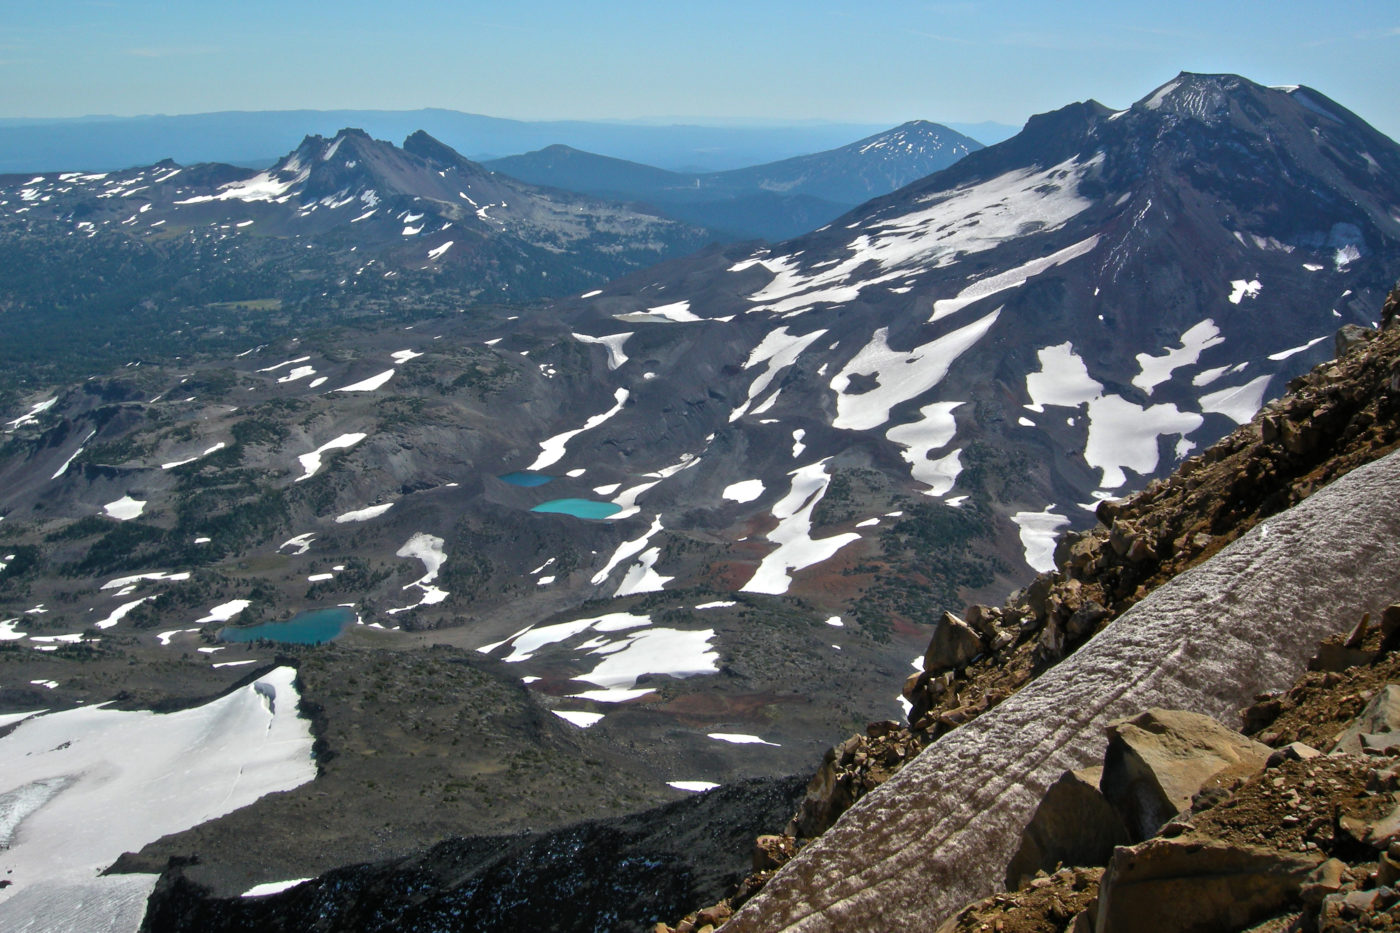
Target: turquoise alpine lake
x,y
307,628
525,478
579,508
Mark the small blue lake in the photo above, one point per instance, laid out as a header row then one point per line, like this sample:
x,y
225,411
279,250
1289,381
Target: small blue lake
x,y
579,508
308,628
525,478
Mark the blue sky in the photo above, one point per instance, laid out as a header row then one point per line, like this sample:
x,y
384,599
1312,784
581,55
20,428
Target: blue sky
x,y
875,62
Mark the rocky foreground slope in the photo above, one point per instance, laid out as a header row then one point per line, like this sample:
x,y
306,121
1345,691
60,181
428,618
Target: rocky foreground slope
x,y
1240,621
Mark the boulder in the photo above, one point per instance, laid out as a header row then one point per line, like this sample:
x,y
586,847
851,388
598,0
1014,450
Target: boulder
x,y
1381,715
1351,336
1188,884
1390,621
953,646
1157,761
1073,826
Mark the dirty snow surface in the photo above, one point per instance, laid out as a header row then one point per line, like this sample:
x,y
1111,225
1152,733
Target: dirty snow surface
x,y
80,787
941,832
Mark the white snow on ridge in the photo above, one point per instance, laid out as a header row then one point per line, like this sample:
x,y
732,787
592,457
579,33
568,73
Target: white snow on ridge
x,y
224,611
1294,351
301,542
1063,379
428,549
613,343
935,428
300,372
276,887
672,652
796,549
121,612
1242,288
1038,533
694,787
365,514
739,738
125,508
1238,403
529,640
947,224
311,462
552,449
371,384
264,186
900,375
743,491
626,551
437,252
582,720
1155,370
778,349
1011,278
74,456
273,369
677,312
32,416
215,449
1122,434
87,784
127,584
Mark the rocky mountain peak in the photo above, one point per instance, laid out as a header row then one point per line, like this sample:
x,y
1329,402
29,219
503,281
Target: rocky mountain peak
x,y
438,153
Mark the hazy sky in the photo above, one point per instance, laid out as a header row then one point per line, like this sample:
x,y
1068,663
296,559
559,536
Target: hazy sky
x,y
881,61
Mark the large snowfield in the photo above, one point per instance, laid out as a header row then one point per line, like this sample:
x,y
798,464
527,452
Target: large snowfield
x,y
80,787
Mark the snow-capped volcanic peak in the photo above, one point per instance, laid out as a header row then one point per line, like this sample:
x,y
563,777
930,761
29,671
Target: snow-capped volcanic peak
x,y
916,136
1123,286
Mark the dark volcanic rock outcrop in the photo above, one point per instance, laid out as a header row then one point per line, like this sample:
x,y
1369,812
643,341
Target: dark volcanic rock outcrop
x,y
603,875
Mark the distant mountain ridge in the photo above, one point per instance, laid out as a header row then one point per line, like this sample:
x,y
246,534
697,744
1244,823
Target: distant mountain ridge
x,y
331,223
774,201
92,144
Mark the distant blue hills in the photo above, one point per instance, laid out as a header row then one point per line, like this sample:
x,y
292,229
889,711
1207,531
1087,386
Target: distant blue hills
x,y
257,138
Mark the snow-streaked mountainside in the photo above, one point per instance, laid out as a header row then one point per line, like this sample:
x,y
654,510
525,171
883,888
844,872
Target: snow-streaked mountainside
x,y
663,509
770,201
1105,292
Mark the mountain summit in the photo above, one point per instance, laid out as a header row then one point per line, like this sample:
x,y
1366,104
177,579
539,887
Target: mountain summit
x,y
774,200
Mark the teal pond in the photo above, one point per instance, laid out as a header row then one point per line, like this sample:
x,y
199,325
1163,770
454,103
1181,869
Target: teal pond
x,y
579,508
307,628
525,478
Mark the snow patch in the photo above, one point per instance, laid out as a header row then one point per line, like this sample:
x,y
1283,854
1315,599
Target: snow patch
x,y
365,514
311,462
743,491
1238,403
796,549
125,508
374,382
1038,533
899,375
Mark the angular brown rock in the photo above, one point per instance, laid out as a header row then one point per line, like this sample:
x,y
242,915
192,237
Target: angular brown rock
x,y
1184,885
954,644
1158,760
1073,826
